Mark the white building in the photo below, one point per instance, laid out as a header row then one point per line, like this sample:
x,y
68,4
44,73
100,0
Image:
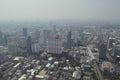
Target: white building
x,y
77,74
54,45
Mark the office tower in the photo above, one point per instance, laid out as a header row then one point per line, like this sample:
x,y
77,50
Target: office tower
x,y
22,42
1,38
46,34
69,40
5,39
13,49
29,43
25,32
12,44
117,53
75,37
102,51
37,34
54,45
111,42
54,29
35,48
12,40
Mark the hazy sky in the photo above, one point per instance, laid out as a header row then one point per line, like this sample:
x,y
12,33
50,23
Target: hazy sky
x,y
59,9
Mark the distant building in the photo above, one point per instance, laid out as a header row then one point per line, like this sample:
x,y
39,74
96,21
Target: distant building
x,y
69,40
111,42
25,32
22,42
13,49
29,45
1,37
12,44
35,48
54,29
102,51
117,54
107,67
12,40
46,34
77,74
75,36
54,45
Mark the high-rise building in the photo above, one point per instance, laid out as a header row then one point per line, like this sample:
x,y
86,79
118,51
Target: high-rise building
x,y
111,41
1,37
75,36
54,45
102,51
29,45
54,29
12,44
37,34
69,40
5,39
46,34
117,53
22,42
35,48
13,49
25,32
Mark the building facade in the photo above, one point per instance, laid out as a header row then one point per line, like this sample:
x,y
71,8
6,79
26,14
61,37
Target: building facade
x,y
54,45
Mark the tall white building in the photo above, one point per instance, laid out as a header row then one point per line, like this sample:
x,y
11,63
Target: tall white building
x,y
54,45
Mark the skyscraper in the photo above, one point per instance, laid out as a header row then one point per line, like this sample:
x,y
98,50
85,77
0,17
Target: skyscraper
x,y
102,51
12,44
54,29
111,41
46,34
54,45
69,40
37,34
1,37
29,43
35,47
25,32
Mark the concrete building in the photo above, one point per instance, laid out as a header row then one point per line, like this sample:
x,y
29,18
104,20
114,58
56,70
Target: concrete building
x,y
77,74
46,34
35,48
37,34
102,51
22,42
29,45
69,44
13,48
54,29
75,36
1,37
12,44
25,32
111,41
117,53
54,45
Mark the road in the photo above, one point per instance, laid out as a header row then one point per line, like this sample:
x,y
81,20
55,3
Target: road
x,y
97,70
